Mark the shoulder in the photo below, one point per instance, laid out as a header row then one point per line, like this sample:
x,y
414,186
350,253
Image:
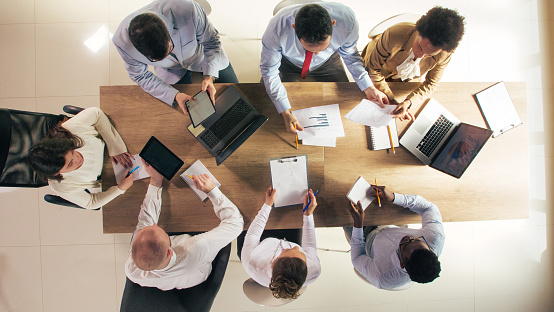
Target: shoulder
x,y
400,33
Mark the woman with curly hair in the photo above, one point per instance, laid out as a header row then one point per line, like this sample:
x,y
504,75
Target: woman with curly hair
x,y
407,51
282,265
71,158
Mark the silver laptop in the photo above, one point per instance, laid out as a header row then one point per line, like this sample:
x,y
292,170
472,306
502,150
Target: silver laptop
x,y
441,141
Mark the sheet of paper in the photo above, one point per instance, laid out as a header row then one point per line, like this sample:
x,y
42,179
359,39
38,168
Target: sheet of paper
x,y
370,114
196,169
359,192
320,122
139,174
328,142
290,177
498,108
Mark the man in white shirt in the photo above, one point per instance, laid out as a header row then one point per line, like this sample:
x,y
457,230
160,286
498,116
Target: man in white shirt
x,y
181,261
282,266
176,37
390,257
307,40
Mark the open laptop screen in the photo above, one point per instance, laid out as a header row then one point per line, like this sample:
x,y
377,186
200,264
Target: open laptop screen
x,y
460,149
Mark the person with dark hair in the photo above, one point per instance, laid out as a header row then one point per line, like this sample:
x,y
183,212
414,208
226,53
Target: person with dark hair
x,y
178,261
389,257
407,52
283,266
176,38
308,41
71,158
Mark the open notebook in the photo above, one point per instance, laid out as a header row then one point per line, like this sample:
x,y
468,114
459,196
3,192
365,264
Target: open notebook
x,y
379,136
196,169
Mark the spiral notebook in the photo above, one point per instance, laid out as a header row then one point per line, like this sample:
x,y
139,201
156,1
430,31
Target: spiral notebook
x,y
379,136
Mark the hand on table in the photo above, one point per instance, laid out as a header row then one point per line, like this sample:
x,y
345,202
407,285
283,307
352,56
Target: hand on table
x,y
357,213
203,182
208,86
291,122
125,159
182,98
376,96
156,178
270,196
313,204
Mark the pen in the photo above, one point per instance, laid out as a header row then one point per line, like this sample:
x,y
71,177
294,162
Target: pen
x,y
309,202
378,199
128,174
296,136
391,142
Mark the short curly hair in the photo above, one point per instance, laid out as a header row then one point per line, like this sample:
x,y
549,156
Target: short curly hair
x,y
289,274
443,27
423,266
313,24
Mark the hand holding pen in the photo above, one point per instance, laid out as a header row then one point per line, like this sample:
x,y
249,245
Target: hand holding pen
x,y
310,203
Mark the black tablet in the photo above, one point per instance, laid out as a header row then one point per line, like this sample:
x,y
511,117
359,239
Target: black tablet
x,y
161,158
200,109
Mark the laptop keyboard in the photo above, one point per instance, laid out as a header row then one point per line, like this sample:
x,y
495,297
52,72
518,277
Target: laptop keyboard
x,y
226,123
434,136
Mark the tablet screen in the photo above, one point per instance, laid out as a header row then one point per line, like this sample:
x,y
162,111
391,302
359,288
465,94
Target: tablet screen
x,y
161,158
200,109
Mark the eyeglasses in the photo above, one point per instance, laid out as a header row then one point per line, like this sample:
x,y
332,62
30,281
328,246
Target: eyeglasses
x,y
419,238
170,50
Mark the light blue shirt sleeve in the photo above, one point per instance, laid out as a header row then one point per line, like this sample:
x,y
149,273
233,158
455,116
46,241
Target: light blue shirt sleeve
x,y
269,64
360,260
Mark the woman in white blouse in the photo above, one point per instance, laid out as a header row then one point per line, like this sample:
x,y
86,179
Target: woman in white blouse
x,y
71,158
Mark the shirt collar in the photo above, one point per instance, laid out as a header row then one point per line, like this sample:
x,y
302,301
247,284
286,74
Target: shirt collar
x,y
171,262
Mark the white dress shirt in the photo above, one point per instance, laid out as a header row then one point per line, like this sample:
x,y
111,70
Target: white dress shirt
x,y
377,259
87,125
257,256
280,40
197,48
191,263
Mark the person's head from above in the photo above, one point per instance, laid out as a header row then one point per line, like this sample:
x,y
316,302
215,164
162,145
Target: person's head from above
x,y
149,35
55,155
289,273
313,27
440,29
151,248
420,262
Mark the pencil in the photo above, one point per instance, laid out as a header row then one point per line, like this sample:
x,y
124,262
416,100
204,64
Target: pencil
x,y
190,176
378,199
391,142
296,136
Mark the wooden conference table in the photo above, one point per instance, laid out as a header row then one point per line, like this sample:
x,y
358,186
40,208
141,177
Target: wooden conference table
x,y
495,186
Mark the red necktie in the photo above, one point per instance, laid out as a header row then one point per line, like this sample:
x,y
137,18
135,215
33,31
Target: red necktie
x,y
306,65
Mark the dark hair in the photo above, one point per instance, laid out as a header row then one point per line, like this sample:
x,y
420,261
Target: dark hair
x,y
423,266
47,157
149,35
289,274
443,27
313,24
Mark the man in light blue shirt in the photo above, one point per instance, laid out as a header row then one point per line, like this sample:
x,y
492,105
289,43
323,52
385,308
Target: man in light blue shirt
x,y
176,37
390,257
306,40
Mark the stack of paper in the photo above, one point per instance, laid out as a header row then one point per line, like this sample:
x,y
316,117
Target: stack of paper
x,y
360,192
196,169
371,114
322,125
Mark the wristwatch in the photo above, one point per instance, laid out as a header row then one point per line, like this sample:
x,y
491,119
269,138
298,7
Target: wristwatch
x,y
213,78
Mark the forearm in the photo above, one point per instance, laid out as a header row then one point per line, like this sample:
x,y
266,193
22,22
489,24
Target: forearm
x,y
308,234
426,88
91,201
151,207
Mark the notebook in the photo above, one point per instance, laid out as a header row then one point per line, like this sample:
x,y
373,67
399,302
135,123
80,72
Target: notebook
x,y
359,192
196,169
139,174
379,136
497,108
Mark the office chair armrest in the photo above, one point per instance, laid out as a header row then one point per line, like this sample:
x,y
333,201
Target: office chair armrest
x,y
57,200
70,109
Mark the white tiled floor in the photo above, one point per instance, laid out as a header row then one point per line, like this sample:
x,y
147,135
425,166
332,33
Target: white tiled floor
x,y
58,259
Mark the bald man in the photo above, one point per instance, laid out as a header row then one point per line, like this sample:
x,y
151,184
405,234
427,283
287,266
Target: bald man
x,y
180,261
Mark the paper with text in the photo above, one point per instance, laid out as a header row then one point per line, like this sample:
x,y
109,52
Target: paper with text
x,y
289,175
370,114
196,169
139,174
320,122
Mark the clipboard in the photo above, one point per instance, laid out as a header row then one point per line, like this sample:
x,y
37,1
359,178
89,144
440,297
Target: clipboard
x,y
289,175
497,109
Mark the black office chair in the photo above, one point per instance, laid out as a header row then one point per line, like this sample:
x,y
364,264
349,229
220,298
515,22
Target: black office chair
x,y
19,130
199,298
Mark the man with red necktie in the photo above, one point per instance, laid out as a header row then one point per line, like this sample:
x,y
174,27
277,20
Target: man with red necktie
x,y
307,41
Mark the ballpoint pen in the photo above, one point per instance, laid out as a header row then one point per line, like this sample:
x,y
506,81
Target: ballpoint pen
x,y
391,142
128,174
309,202
378,199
